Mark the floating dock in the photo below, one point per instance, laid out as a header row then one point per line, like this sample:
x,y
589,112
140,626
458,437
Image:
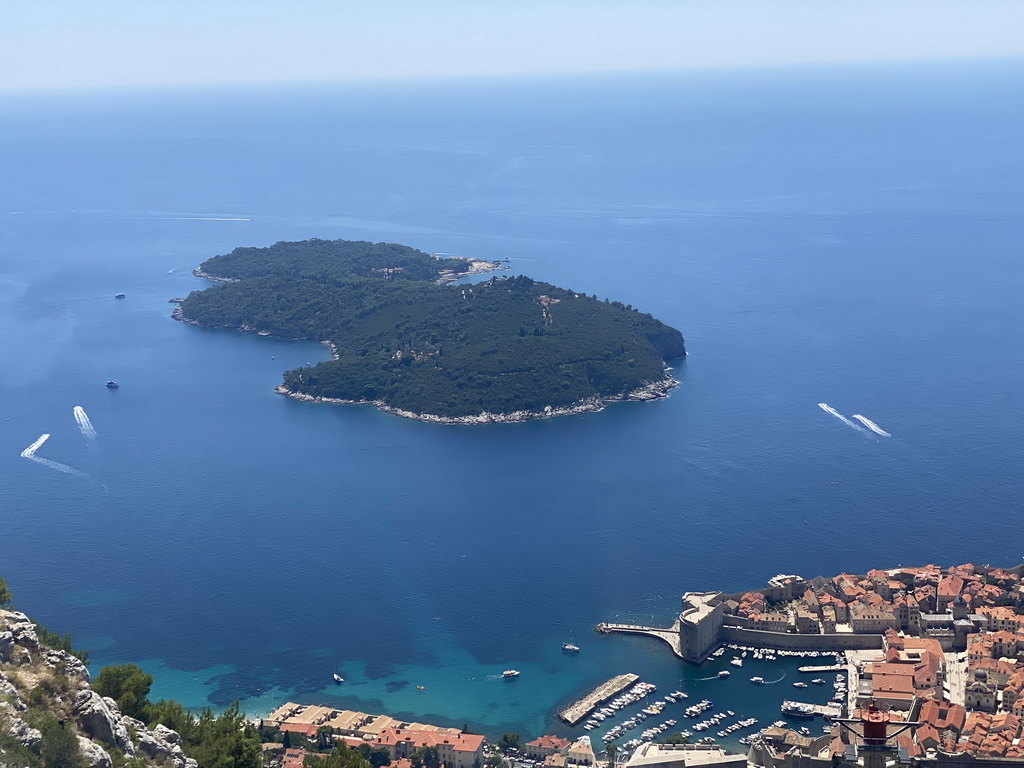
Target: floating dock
x,y
829,668
579,710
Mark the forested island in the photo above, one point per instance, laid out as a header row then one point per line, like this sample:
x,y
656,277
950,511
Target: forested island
x,y
405,339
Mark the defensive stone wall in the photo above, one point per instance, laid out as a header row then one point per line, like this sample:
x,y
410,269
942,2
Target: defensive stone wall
x,y
793,642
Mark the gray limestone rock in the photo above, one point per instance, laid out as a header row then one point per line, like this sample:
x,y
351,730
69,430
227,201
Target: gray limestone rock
x,y
73,666
8,691
22,628
93,755
18,728
101,720
6,646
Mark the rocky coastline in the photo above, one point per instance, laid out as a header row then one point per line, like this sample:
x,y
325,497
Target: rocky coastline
x,y
476,267
651,390
199,273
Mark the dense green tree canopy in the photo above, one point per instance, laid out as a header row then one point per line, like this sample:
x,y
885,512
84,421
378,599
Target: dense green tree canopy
x,y
508,344
126,684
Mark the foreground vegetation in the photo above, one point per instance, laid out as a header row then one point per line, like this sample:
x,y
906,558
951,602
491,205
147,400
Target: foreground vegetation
x,y
50,693
407,342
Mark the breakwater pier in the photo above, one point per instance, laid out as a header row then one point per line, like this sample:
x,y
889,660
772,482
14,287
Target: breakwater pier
x,y
578,710
669,635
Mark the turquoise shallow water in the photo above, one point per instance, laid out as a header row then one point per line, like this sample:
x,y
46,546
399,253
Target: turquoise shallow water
x,y
849,236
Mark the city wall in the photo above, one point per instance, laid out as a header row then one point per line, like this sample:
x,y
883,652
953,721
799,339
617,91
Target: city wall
x,y
793,642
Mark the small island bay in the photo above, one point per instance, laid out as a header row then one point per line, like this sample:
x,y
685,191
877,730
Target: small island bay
x,y
405,339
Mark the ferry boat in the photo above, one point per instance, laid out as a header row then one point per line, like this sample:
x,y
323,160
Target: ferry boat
x,y
724,673
796,709
338,678
118,295
510,673
757,680
112,384
572,648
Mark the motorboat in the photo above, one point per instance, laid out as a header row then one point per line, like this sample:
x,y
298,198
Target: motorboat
x,y
112,384
571,647
510,673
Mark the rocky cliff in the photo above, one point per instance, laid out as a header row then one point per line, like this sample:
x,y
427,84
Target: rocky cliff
x,y
41,687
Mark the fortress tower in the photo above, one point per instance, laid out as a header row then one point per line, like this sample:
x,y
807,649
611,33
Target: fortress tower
x,y
699,625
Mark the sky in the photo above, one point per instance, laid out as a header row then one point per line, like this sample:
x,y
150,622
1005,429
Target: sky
x,y
86,44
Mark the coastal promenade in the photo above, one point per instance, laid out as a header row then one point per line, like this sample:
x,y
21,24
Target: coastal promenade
x,y
670,635
577,711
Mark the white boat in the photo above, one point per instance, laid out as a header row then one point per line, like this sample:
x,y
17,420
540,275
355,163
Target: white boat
x,y
799,685
757,680
338,678
724,673
818,681
570,647
510,673
737,662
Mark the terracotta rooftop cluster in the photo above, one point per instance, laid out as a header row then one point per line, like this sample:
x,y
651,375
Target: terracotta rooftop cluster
x,y
909,599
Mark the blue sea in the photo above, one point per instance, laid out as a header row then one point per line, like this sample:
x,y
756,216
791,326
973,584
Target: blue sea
x,y
851,236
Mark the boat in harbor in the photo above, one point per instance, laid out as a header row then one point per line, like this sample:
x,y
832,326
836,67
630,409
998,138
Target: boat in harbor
x,y
737,662
796,709
758,680
799,685
724,673
112,384
510,673
571,647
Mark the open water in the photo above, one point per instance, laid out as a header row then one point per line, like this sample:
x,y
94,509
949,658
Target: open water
x,y
848,236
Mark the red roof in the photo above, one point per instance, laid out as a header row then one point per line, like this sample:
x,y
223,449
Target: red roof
x,y
550,742
463,742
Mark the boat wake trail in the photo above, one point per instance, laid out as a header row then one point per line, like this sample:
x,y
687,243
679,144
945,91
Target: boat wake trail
x,y
83,423
773,682
29,452
829,409
871,425
57,466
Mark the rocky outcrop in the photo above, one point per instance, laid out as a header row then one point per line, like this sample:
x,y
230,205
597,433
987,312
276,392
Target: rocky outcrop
x,y
105,735
93,755
12,724
21,629
101,719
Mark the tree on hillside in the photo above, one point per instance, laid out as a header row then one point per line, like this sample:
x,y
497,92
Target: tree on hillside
x,y
58,747
5,594
126,684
